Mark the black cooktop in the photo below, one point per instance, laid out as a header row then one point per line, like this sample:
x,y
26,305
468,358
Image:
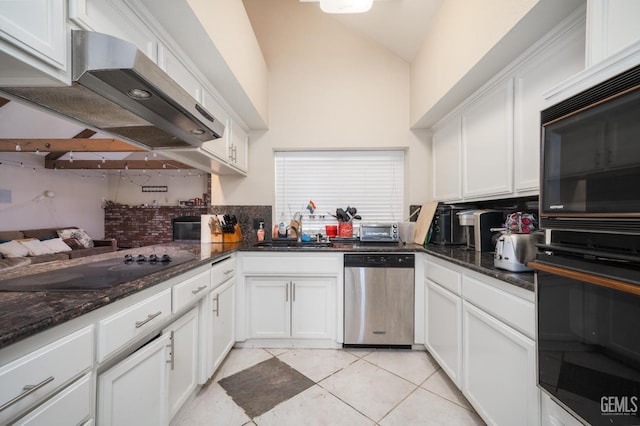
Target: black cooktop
x,y
96,275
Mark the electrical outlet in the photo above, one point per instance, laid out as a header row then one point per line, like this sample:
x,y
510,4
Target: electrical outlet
x,y
256,223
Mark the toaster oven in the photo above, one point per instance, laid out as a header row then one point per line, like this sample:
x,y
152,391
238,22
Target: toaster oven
x,y
379,232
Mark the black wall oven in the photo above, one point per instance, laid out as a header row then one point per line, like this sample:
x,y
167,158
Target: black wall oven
x,y
590,159
588,326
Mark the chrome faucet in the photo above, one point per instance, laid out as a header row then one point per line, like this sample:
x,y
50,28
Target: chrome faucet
x,y
297,219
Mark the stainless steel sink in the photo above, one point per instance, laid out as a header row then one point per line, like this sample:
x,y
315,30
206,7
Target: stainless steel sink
x,y
294,244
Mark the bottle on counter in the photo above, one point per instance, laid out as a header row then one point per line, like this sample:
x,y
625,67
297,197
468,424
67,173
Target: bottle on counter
x,y
260,232
282,228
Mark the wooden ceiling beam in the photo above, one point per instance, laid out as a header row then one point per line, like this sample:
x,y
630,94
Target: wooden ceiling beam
x,y
115,164
66,145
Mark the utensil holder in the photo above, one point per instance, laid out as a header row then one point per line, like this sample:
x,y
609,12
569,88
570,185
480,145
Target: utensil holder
x,y
345,229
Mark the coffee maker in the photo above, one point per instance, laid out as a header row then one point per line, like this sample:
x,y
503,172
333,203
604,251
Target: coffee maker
x,y
446,226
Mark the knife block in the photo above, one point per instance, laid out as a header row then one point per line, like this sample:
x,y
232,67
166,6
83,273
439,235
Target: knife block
x,y
217,237
233,237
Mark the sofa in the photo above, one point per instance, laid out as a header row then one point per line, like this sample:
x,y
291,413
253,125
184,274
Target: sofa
x,y
98,246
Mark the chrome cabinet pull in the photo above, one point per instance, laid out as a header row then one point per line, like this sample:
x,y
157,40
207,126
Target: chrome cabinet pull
x,y
228,272
293,291
149,318
28,390
198,290
172,347
286,293
217,309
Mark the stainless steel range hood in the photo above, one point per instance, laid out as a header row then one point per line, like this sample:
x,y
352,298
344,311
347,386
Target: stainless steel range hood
x,y
118,89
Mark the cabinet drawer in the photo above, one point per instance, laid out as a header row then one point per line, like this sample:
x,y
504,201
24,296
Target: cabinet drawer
x,y
45,370
70,406
192,289
513,310
222,271
447,278
118,329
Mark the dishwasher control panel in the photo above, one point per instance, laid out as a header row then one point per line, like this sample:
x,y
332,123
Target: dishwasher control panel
x,y
374,260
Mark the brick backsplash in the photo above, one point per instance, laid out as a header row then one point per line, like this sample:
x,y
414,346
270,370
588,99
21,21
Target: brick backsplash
x,y
143,226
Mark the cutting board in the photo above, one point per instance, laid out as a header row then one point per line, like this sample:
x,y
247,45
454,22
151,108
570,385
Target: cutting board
x,y
424,222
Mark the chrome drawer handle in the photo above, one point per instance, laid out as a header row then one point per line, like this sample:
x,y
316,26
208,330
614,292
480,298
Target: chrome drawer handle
x,y
172,348
198,290
28,390
228,272
217,309
149,318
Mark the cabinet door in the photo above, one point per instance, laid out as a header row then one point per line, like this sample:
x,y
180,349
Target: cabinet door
x,y
115,19
499,370
446,161
134,391
173,66
557,62
223,330
238,146
313,308
268,307
444,329
217,147
487,143
37,27
72,406
183,361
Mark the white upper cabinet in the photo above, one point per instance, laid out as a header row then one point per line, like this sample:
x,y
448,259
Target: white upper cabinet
x,y
547,68
487,143
115,19
37,38
446,161
489,146
173,66
612,26
238,146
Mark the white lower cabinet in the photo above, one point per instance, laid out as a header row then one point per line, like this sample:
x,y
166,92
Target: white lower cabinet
x,y
444,329
183,361
291,307
135,391
73,406
480,330
499,376
220,334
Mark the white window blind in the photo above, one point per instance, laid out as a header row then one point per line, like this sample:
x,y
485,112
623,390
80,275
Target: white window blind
x,y
371,181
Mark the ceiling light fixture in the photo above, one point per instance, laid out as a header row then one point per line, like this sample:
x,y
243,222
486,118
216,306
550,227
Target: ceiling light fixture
x,y
345,6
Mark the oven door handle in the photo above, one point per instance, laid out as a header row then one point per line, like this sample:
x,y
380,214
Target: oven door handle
x,y
588,278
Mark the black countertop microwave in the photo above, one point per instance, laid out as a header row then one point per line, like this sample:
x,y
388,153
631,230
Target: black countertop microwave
x,y
590,160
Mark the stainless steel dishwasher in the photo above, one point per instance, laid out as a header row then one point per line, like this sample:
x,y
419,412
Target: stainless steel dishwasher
x,y
378,299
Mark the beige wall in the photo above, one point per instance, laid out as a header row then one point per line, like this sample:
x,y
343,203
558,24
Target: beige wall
x,y
462,33
180,186
234,38
328,89
77,201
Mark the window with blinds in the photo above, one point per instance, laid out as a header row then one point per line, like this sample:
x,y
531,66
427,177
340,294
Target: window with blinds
x,y
370,181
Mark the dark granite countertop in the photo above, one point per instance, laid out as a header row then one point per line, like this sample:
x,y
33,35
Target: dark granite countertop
x,y
23,314
481,262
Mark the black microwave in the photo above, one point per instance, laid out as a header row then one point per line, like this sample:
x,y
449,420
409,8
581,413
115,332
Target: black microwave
x,y
590,159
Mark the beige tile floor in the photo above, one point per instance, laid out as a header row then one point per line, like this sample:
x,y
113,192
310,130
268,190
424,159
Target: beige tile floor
x,y
353,387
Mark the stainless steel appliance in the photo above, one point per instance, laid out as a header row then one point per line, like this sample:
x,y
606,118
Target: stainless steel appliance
x,y
513,251
380,232
588,306
591,159
446,226
117,88
479,224
379,299
186,228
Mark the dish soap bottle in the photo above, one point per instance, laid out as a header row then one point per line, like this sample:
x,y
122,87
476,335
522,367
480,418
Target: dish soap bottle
x,y
260,232
282,229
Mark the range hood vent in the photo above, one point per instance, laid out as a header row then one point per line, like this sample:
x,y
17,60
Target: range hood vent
x,y
118,89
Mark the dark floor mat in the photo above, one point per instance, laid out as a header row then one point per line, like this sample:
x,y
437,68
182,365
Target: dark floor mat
x,y
260,388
